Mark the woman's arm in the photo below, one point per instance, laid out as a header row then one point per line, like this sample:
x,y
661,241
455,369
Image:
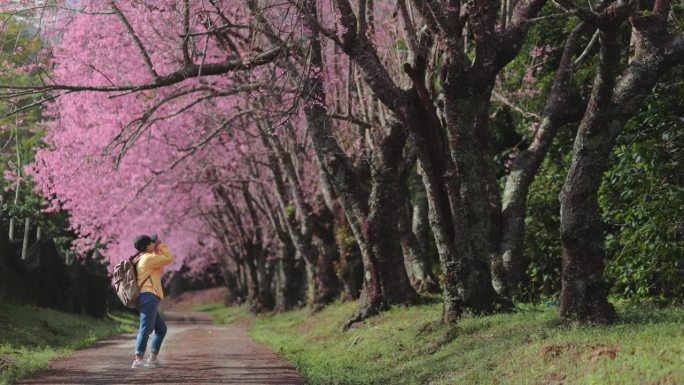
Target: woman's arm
x,y
157,260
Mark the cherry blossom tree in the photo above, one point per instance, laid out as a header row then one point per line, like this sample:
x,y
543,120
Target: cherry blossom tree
x,y
248,128
457,51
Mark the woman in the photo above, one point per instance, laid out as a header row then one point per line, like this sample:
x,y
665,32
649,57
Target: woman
x,y
150,261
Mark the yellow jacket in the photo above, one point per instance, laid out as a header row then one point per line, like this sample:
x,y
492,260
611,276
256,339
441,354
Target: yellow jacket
x,y
151,265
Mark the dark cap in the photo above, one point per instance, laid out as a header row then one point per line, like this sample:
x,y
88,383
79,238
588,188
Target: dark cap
x,y
142,241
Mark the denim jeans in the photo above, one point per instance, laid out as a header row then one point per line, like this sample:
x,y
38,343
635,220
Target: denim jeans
x,y
150,319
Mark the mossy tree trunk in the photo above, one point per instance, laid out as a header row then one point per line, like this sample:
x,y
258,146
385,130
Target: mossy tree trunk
x,y
384,280
614,99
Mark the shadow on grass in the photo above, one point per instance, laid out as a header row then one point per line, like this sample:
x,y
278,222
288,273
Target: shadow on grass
x,y
648,314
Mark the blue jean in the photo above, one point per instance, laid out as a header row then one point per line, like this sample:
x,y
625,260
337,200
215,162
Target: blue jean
x,y
150,319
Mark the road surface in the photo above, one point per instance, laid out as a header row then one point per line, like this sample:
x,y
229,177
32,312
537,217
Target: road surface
x,y
194,352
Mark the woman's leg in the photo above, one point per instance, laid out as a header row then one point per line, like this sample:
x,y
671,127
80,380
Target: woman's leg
x,y
148,314
159,333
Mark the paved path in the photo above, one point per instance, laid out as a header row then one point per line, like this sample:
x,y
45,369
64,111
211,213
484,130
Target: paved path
x,y
194,352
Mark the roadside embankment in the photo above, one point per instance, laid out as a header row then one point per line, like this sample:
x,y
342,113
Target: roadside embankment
x,y
407,345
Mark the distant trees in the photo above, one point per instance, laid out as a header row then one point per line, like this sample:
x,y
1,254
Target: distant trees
x,y
285,130
19,133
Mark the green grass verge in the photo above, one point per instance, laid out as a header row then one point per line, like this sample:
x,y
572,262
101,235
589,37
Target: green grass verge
x,y
30,337
530,346
222,315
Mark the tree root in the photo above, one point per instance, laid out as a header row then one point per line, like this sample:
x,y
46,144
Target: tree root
x,y
363,313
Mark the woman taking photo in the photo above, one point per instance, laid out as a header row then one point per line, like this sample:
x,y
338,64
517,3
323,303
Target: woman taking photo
x,y
149,262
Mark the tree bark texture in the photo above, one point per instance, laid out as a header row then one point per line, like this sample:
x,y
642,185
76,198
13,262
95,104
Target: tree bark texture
x,y
285,279
612,103
385,281
563,106
412,228
349,269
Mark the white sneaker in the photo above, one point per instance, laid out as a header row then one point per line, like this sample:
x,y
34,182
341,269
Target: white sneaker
x,y
152,364
138,364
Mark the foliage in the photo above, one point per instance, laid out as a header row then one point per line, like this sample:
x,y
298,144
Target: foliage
x,y
184,161
30,337
642,199
529,346
18,47
23,60
542,222
180,142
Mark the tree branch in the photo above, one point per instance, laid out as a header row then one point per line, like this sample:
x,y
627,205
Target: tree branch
x,y
188,71
612,15
588,48
511,38
514,107
434,18
136,40
352,119
186,31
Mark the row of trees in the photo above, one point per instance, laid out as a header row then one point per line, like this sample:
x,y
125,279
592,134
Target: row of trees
x,y
318,149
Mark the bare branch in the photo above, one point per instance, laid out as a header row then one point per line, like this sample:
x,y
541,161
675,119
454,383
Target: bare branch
x,y
408,28
583,13
612,14
145,123
213,30
186,32
189,151
513,106
55,6
136,40
175,77
349,21
34,104
363,21
661,8
588,48
352,119
433,16
551,16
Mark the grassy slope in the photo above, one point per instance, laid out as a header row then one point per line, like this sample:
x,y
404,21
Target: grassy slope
x,y
31,336
408,346
224,315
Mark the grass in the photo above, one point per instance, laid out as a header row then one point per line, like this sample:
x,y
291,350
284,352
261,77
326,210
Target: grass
x,y
222,315
529,346
30,337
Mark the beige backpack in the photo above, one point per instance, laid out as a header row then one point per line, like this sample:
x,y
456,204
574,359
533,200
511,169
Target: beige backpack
x,y
125,279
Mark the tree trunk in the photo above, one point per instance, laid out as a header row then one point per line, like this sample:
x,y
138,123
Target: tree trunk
x,y
252,277
349,268
230,280
326,282
458,211
265,276
458,197
243,287
413,236
285,280
563,106
385,280
25,242
583,292
465,113
176,284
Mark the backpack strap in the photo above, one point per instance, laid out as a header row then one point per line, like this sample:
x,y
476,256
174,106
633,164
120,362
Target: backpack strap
x,y
135,268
